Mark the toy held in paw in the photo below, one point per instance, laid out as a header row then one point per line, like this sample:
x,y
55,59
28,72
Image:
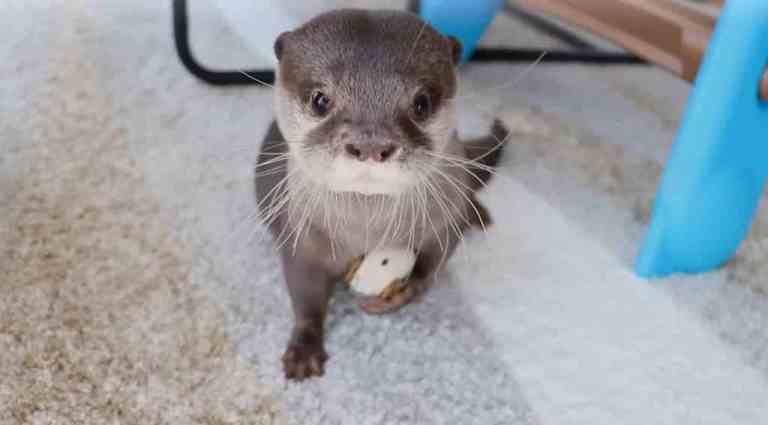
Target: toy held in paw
x,y
382,273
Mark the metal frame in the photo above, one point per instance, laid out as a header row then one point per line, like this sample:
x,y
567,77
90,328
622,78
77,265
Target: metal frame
x,y
585,53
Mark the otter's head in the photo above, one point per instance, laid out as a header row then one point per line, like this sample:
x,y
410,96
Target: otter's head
x,y
364,97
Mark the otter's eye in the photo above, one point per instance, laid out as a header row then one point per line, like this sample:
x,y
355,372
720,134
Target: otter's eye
x,y
422,107
321,103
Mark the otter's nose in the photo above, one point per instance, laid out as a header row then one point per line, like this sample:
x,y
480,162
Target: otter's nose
x,y
374,151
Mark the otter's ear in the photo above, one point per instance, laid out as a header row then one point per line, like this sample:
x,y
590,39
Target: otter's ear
x,y
456,49
282,39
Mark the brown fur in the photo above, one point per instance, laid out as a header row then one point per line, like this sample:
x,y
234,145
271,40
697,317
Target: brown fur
x,y
372,64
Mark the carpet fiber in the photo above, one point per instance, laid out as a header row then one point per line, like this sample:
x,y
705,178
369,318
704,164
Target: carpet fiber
x,y
136,287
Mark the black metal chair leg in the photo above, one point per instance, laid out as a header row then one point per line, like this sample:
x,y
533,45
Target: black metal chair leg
x,y
259,76
218,78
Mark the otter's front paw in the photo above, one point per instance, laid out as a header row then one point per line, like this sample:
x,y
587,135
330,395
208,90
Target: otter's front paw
x,y
304,359
399,294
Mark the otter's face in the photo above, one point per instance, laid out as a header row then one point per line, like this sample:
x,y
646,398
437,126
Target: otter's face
x,y
363,98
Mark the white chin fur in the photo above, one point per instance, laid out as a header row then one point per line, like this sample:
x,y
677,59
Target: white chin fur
x,y
368,187
349,175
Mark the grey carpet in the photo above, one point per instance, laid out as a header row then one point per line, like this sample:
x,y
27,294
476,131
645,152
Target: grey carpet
x,y
163,302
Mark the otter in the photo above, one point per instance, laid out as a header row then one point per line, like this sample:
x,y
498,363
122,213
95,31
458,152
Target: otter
x,y
364,153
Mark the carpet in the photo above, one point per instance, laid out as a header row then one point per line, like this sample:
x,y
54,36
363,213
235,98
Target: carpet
x,y
136,288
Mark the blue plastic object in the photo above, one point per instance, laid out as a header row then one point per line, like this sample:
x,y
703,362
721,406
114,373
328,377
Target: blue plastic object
x,y
466,20
718,165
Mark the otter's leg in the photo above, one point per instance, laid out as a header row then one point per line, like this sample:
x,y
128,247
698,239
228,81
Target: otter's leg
x,y
307,276
310,286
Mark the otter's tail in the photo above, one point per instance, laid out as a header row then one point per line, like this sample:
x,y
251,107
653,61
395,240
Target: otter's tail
x,y
486,152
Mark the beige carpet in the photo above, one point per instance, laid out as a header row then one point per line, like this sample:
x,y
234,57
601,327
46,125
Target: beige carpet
x,y
100,322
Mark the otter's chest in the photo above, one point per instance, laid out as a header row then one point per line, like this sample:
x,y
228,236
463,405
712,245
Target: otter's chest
x,y
359,224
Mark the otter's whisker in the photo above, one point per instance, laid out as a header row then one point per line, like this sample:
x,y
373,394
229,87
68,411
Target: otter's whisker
x,y
272,153
440,198
306,218
271,161
465,161
336,220
372,222
426,213
297,197
467,166
422,201
462,189
385,234
398,218
270,172
509,84
500,144
276,208
367,228
327,219
280,185
310,204
251,77
254,216
330,215
380,203
471,202
412,219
